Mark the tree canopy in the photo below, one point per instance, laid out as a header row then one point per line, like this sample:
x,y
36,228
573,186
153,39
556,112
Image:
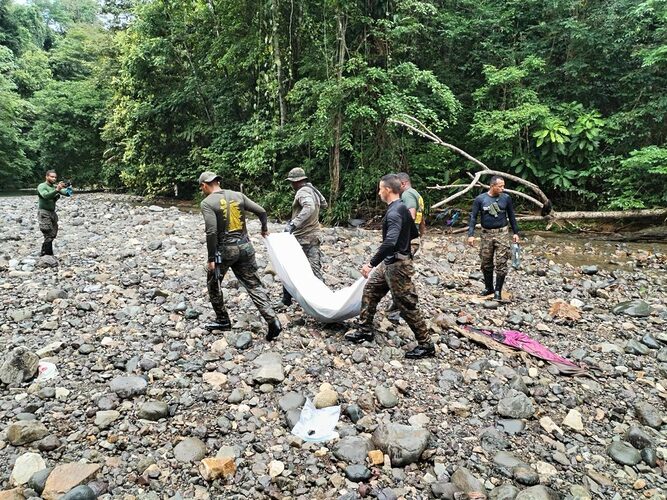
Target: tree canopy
x,y
144,94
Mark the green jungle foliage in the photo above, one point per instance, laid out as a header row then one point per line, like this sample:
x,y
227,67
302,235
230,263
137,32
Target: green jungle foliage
x,y
145,94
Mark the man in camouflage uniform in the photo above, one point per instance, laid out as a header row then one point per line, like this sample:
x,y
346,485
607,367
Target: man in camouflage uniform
x,y
305,222
496,209
392,270
415,205
228,246
48,193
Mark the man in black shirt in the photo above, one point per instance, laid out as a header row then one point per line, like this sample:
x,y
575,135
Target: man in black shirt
x,y
496,209
392,270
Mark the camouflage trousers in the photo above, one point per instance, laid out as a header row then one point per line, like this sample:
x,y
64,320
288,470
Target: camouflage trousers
x,y
314,256
494,243
397,279
48,224
415,246
241,260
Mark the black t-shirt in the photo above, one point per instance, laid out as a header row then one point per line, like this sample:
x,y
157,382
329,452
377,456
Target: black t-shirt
x,y
398,229
504,211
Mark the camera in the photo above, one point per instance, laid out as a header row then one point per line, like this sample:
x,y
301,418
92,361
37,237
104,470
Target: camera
x,y
67,191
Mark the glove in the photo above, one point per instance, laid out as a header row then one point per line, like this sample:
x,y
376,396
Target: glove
x,y
289,228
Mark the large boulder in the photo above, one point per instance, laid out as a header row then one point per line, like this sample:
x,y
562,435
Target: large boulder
x,y
19,366
352,449
26,431
516,404
403,443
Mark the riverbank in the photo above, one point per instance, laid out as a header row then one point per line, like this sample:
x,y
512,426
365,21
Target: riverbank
x,y
128,299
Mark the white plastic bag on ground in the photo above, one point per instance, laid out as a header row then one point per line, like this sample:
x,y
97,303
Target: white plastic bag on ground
x,y
46,371
316,299
317,425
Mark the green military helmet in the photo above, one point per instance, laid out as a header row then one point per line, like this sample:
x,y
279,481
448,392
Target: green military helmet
x,y
296,174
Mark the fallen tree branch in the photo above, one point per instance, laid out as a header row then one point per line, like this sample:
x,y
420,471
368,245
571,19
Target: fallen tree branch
x,y
425,132
418,127
485,340
512,191
475,179
543,202
616,214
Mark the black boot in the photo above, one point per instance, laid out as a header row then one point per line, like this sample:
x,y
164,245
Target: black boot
x,y
286,301
274,329
394,313
43,251
498,293
222,323
488,283
362,333
421,351
48,248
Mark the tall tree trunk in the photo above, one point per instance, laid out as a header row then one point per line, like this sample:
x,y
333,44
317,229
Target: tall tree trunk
x,y
277,61
334,157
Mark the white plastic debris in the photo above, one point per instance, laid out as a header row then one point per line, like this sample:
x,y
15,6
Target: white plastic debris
x,y
46,371
317,425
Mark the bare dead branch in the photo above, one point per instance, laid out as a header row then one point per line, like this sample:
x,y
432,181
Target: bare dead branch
x,y
418,127
425,132
461,192
512,191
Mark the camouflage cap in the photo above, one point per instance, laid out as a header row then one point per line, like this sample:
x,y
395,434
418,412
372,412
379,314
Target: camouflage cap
x,y
209,177
296,174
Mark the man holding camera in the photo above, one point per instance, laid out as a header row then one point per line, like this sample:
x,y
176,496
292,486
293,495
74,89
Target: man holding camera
x,y
305,223
48,193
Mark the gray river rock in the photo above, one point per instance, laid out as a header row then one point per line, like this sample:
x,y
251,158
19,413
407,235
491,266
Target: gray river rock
x,y
143,393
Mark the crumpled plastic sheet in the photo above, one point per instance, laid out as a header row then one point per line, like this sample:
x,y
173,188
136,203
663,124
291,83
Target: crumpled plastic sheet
x,y
316,425
317,300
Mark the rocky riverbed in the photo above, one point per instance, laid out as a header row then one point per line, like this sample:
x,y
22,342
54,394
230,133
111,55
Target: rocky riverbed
x,y
146,403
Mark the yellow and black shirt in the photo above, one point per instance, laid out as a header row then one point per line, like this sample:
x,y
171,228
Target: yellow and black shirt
x,y
224,218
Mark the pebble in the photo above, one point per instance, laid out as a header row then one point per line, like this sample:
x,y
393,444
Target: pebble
x,y
573,421
26,431
386,397
649,415
404,444
153,410
357,473
105,418
352,449
623,453
464,480
128,387
515,404
538,492
190,450
25,466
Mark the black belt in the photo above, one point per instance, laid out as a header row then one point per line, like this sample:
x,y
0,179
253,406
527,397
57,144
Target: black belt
x,y
495,230
240,241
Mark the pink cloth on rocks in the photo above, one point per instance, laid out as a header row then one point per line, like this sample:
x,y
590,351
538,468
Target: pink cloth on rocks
x,y
520,340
